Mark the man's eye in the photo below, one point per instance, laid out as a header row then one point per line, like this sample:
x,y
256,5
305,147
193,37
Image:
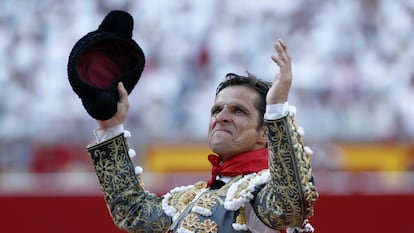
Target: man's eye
x,y
215,112
239,112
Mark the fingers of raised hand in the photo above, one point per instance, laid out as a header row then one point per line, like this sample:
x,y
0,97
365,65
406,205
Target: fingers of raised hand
x,y
283,57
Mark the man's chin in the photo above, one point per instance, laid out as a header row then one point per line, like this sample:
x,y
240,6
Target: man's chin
x,y
220,147
220,139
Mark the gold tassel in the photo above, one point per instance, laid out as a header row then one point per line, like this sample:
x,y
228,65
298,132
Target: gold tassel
x,y
140,181
241,217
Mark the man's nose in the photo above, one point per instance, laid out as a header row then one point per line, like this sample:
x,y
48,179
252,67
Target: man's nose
x,y
223,116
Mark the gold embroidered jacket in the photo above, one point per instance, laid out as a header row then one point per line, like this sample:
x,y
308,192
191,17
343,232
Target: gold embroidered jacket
x,y
281,196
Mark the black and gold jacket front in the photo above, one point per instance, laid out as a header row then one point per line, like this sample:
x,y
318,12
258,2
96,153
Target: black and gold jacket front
x,y
279,197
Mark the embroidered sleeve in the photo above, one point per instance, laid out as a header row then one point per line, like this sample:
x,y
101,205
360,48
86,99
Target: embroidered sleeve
x,y
132,207
287,200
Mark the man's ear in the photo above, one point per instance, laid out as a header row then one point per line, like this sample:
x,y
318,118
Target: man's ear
x,y
263,136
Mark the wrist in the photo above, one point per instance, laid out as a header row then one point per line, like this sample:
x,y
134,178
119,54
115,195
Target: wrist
x,y
108,123
103,134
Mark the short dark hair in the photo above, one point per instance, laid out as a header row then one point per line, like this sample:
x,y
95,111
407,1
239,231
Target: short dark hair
x,y
250,81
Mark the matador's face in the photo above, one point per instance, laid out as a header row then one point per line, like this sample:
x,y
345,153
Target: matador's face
x,y
233,123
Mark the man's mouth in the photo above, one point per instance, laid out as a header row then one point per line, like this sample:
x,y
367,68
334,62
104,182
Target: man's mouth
x,y
222,130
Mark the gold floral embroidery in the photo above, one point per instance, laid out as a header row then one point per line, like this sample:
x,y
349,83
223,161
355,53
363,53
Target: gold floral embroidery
x,y
283,201
132,208
180,197
192,222
208,226
105,170
206,201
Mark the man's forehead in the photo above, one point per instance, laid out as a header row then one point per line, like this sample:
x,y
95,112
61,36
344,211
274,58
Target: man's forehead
x,y
236,95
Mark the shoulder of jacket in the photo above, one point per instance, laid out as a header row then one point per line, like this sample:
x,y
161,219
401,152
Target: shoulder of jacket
x,y
241,191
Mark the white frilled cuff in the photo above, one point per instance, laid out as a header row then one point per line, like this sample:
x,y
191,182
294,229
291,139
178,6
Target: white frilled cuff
x,y
276,111
108,133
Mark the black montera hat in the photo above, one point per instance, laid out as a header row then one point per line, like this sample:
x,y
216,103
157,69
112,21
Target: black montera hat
x,y
103,58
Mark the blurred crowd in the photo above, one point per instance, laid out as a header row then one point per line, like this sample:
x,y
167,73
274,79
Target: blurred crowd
x,y
352,64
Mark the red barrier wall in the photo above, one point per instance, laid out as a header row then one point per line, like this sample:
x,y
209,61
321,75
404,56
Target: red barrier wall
x,y
363,213
68,214
63,214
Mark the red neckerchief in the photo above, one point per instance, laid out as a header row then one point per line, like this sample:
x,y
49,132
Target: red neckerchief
x,y
241,164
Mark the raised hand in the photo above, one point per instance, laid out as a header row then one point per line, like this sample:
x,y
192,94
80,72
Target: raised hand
x,y
282,81
122,109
